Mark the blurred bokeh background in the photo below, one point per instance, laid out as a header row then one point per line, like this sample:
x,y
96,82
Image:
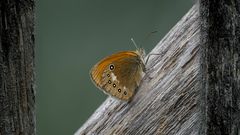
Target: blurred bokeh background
x,y
72,35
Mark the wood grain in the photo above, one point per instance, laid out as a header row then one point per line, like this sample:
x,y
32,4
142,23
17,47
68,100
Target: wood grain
x,y
220,67
166,101
17,92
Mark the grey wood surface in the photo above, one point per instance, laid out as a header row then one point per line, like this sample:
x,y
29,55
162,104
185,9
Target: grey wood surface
x,y
167,99
17,93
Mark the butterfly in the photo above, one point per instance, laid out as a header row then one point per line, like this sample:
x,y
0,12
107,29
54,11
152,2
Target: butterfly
x,y
119,74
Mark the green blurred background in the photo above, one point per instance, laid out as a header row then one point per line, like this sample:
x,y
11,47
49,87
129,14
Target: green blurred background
x,y
72,35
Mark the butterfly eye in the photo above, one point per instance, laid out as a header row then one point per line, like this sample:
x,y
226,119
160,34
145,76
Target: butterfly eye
x,y
111,67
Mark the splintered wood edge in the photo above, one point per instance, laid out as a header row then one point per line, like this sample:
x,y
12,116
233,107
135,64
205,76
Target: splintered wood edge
x,y
166,101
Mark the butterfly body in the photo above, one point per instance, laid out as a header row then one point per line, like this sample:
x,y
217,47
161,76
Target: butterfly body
x,y
119,74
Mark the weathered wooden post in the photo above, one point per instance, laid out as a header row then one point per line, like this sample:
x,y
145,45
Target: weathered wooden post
x,y
17,93
220,67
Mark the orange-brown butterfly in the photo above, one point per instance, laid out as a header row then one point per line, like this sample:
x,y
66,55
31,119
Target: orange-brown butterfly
x,y
119,74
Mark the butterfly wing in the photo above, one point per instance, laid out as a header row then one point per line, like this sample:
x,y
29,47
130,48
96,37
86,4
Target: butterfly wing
x,y
119,74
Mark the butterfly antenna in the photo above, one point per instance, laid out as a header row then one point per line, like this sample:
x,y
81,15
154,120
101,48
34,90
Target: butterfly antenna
x,y
150,34
134,43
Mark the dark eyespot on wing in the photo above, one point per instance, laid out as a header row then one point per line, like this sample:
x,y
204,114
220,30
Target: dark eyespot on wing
x,y
111,67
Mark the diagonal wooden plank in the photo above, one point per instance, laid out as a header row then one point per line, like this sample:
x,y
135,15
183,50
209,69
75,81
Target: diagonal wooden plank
x,y
166,101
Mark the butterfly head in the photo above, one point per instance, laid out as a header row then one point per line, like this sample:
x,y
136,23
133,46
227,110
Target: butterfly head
x,y
141,52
